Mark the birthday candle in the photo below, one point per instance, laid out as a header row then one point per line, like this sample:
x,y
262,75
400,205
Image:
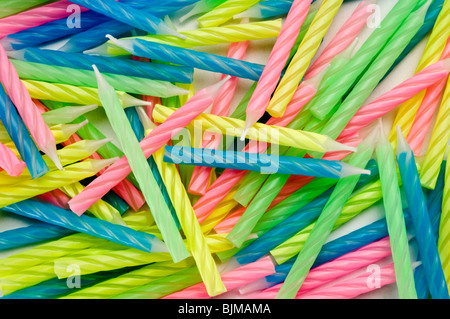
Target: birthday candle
x,y
19,134
266,9
28,111
52,180
224,12
92,226
33,234
129,15
425,113
151,143
281,135
211,36
265,163
399,94
353,287
275,64
420,219
342,81
73,94
142,172
343,38
201,60
445,223
9,161
324,225
394,217
434,48
300,62
127,67
438,143
232,280
50,31
63,75
10,7
35,17
56,197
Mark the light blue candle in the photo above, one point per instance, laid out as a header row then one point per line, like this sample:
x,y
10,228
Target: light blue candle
x,y
20,136
420,219
264,163
200,60
127,14
157,71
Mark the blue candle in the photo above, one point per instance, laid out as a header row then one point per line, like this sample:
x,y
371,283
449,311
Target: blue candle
x,y
97,35
20,136
187,57
127,14
420,219
157,71
264,163
92,226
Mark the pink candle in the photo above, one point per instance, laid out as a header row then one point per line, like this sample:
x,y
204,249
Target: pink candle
x,y
276,62
9,161
27,110
344,37
425,113
401,93
156,139
201,175
354,287
36,17
232,280
337,268
229,178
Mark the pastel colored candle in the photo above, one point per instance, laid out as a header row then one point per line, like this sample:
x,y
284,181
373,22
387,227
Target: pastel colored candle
x,y
140,168
433,50
221,106
151,143
342,81
275,64
443,247
28,111
19,134
399,94
324,225
224,12
301,60
10,7
420,219
9,161
395,219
